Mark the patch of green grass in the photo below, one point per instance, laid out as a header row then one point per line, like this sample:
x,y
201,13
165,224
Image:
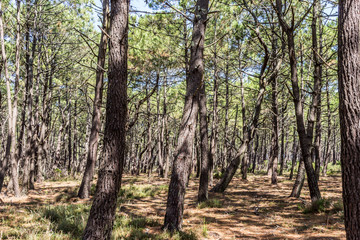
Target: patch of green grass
x,y
210,203
69,219
204,229
133,228
141,191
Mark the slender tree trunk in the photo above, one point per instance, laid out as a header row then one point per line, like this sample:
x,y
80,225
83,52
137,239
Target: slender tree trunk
x,y
102,213
317,52
305,134
327,151
294,155
180,172
227,104
10,154
204,143
160,135
30,136
255,153
349,109
84,191
300,178
214,127
166,151
273,163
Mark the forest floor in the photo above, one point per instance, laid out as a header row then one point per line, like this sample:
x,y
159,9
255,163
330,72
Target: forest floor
x,y
252,209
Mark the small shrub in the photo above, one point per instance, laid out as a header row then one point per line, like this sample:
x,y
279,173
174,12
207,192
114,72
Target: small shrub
x,y
317,207
210,203
218,175
337,207
141,191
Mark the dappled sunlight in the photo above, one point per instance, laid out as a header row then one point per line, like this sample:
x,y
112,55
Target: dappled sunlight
x,y
252,209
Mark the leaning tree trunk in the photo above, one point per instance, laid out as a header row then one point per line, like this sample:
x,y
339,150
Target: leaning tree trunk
x,y
102,213
349,109
305,134
84,191
180,172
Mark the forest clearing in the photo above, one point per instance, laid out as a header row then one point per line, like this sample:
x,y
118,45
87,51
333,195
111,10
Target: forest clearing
x,y
252,209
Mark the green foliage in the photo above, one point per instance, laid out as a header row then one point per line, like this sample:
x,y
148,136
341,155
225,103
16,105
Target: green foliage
x,y
210,203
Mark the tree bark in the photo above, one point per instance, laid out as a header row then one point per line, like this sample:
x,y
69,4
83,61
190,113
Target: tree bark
x,y
349,109
204,146
180,172
102,213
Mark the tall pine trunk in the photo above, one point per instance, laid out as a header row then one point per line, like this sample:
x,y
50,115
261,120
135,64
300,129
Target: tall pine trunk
x,y
102,213
349,109
182,160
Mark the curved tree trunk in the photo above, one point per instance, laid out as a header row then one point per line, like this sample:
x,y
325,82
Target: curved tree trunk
x,y
84,191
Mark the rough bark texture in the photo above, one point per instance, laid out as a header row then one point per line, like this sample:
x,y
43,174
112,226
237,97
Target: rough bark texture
x,y
349,93
204,146
180,172
84,191
275,133
102,213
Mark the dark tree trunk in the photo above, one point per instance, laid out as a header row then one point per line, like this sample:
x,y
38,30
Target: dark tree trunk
x,y
204,146
214,128
300,178
84,191
180,172
349,109
317,85
273,163
255,153
327,150
102,213
294,155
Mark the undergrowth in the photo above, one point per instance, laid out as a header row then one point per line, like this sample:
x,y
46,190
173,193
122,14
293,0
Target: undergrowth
x,y
210,203
323,206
